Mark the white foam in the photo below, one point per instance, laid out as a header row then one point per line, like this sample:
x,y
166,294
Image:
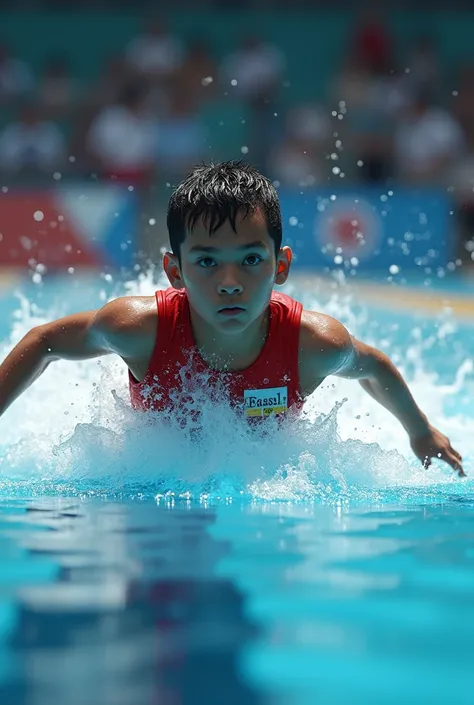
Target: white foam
x,y
73,430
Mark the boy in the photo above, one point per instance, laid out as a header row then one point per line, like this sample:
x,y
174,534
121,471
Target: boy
x,y
221,319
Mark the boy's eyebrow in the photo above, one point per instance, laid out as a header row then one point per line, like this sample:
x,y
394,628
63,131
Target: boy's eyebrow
x,y
249,246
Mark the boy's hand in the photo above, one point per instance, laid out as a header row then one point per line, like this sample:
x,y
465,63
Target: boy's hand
x,y
433,444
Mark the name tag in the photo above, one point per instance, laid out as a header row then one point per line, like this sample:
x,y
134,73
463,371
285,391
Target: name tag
x,y
264,402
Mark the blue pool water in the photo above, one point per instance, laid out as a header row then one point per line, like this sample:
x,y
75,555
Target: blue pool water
x,y
319,565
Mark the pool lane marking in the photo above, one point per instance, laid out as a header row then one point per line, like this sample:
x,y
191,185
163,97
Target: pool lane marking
x,y
389,296
416,299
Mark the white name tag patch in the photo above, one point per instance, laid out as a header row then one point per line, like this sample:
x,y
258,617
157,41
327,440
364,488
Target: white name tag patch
x,y
264,402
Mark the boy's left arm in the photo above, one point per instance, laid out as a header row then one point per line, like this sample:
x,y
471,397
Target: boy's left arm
x,y
344,356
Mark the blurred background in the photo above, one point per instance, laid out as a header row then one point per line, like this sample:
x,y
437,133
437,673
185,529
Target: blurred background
x,y
362,116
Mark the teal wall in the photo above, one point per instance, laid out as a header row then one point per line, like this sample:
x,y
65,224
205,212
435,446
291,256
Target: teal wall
x,y
313,42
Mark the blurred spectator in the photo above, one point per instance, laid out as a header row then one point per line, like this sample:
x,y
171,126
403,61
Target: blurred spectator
x,y
257,69
156,53
461,175
295,163
427,141
109,84
31,144
372,42
182,138
367,102
16,79
122,139
463,104
58,88
461,181
255,72
423,66
300,160
197,77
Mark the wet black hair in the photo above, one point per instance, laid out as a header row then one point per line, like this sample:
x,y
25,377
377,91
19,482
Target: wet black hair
x,y
219,193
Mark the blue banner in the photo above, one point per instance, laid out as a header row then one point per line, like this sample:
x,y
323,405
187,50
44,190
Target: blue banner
x,y
370,230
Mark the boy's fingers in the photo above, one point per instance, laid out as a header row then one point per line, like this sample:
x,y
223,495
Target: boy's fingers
x,y
451,457
456,454
454,459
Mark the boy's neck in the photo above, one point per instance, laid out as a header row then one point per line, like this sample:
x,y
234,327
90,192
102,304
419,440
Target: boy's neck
x,y
230,352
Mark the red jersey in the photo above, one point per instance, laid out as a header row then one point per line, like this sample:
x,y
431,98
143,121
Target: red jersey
x,y
177,372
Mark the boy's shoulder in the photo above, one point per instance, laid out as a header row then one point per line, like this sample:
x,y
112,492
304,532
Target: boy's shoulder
x,y
320,331
324,345
130,325
129,312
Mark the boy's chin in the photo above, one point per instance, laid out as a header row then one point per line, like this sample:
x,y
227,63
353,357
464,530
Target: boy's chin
x,y
232,325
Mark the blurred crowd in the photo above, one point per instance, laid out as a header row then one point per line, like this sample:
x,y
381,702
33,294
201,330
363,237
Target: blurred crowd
x,y
385,118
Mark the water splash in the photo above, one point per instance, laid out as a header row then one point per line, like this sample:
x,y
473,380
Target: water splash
x,y
73,432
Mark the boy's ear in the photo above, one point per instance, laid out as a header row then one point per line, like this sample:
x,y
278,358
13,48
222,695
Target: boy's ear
x,y
172,270
283,265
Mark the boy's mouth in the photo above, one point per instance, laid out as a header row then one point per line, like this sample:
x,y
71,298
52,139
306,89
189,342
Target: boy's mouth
x,y
231,310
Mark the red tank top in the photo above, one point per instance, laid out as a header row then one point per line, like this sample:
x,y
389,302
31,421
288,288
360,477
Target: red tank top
x,y
269,386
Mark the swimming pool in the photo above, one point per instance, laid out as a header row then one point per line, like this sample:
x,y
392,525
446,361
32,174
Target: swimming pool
x,y
321,565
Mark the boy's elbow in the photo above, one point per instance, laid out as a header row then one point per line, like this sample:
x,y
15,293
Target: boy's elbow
x,y
369,363
377,365
41,338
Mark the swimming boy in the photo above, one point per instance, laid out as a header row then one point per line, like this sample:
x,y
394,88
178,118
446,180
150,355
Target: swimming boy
x,y
221,320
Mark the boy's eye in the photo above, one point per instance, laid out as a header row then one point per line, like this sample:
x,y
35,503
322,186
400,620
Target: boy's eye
x,y
206,262
252,260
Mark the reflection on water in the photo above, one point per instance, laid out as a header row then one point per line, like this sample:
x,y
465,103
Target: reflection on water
x,y
263,604
118,604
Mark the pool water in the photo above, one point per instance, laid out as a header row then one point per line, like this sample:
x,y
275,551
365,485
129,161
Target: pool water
x,y
318,564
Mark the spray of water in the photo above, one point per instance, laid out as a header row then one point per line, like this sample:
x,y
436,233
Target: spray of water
x,y
73,431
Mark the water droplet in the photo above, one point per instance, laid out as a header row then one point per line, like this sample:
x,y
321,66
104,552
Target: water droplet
x,y
26,243
152,221
38,216
244,150
393,269
293,221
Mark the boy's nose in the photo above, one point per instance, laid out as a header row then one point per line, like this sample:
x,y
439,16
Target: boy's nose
x,y
230,288
229,283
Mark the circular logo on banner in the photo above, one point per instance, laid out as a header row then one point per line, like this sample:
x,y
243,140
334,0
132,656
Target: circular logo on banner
x,y
351,224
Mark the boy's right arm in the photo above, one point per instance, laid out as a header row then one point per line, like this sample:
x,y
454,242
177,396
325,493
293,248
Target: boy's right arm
x,y
80,336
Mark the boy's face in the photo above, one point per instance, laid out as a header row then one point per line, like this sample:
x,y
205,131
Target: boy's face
x,y
229,276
